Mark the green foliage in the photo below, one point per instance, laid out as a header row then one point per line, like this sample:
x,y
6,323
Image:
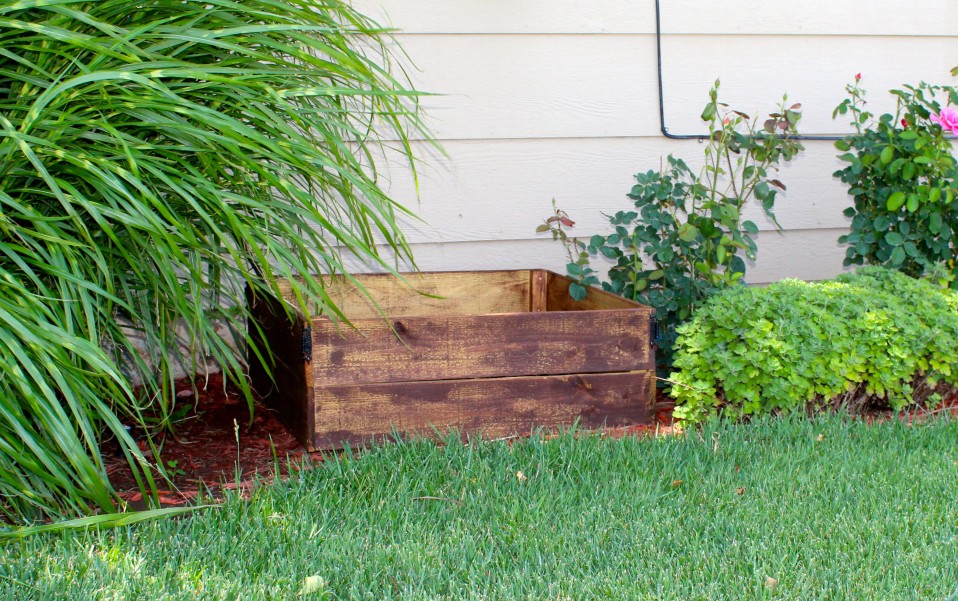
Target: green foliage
x,y
873,337
155,158
902,176
686,236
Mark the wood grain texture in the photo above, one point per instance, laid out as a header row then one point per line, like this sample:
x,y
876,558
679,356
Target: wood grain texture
x,y
539,290
446,347
780,17
285,384
543,363
491,408
370,296
595,299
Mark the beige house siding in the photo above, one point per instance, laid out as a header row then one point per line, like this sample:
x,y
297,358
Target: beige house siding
x,y
542,99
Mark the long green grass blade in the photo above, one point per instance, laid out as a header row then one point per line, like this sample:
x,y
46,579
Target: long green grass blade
x,y
154,163
97,522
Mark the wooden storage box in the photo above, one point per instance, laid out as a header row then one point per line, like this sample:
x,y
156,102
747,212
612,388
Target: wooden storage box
x,y
493,353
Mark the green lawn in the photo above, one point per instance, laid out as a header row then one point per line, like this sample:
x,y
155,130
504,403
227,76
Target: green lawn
x,y
778,509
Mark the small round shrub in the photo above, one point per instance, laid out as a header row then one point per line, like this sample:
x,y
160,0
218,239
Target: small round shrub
x,y
873,338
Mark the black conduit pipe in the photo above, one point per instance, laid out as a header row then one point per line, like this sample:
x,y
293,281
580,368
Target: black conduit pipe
x,y
665,130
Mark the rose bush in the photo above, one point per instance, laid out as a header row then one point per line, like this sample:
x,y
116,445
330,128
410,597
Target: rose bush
x,y
902,175
687,234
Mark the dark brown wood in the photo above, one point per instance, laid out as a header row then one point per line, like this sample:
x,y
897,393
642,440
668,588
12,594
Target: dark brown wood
x,y
492,352
480,346
595,299
284,384
492,408
538,291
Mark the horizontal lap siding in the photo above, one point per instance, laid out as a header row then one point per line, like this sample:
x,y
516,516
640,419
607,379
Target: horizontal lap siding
x,y
783,17
502,189
602,86
803,254
813,69
544,99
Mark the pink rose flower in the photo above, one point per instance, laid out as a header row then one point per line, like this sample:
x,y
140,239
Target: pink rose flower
x,y
948,120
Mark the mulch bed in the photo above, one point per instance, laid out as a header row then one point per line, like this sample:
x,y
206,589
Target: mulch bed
x,y
217,448
214,447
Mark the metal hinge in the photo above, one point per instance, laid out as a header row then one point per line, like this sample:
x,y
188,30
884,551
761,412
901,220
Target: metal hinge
x,y
653,329
307,343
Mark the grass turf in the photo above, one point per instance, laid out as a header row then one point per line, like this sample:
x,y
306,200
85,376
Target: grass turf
x,y
777,509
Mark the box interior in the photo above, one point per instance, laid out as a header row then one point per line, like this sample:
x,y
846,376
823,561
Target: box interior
x,y
462,293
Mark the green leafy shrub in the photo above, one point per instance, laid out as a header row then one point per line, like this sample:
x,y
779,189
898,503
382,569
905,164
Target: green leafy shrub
x,y
155,158
686,237
875,337
902,176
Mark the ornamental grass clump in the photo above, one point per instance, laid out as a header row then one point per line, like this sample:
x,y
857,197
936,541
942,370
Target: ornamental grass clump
x,y
156,158
873,338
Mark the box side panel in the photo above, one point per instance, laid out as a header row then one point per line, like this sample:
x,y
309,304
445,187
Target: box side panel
x,y
493,407
424,294
595,299
282,380
481,346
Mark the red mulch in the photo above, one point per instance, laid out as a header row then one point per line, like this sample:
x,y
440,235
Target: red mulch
x,y
209,461
203,454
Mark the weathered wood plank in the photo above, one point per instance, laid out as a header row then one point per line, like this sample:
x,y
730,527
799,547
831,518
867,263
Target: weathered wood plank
x,y
446,347
424,294
492,407
595,299
540,363
539,291
285,384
